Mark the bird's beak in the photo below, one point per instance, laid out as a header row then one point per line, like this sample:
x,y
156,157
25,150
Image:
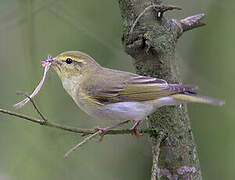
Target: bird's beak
x,y
51,60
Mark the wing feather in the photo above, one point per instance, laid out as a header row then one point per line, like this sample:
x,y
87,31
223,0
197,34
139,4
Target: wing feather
x,y
132,88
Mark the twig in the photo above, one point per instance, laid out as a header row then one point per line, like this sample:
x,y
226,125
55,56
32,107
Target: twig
x,y
192,22
178,27
161,8
82,143
93,133
37,89
72,129
156,151
33,103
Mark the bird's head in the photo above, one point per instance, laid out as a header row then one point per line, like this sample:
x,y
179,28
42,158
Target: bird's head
x,y
72,68
72,64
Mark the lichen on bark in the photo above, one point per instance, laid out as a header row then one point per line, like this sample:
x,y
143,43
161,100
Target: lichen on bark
x,y
152,46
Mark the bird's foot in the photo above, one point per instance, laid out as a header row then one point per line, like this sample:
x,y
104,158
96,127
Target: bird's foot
x,y
104,130
98,128
135,132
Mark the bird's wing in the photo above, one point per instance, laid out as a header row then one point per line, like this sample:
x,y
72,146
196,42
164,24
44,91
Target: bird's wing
x,y
133,88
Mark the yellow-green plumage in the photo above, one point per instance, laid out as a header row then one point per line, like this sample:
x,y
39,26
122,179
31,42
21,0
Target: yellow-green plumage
x,y
113,86
113,94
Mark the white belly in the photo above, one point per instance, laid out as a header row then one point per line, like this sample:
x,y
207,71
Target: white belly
x,y
134,110
125,111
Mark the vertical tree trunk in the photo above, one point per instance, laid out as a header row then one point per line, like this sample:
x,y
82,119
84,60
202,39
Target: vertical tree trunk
x,y
151,41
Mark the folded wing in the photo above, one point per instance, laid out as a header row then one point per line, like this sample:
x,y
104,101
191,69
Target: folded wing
x,y
135,88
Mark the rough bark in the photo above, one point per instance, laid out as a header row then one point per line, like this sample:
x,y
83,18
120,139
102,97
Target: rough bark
x,y
151,43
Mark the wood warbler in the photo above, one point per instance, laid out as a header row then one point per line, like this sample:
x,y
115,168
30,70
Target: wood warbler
x,y
117,95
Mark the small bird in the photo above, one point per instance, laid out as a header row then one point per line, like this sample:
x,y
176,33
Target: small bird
x,y
117,95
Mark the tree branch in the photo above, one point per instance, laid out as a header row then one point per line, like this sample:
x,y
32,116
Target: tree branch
x,y
33,103
82,143
81,131
192,22
189,23
91,132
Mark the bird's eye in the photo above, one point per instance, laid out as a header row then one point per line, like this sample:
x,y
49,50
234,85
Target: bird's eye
x,y
69,61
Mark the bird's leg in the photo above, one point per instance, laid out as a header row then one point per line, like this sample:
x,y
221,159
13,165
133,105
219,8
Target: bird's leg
x,y
135,128
104,130
112,127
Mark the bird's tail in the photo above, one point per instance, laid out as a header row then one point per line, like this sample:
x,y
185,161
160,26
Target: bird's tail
x,y
195,98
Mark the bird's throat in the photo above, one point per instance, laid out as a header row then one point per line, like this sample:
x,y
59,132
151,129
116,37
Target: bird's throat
x,y
70,85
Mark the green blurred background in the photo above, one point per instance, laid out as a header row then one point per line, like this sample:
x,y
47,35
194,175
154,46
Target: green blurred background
x,y
30,30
